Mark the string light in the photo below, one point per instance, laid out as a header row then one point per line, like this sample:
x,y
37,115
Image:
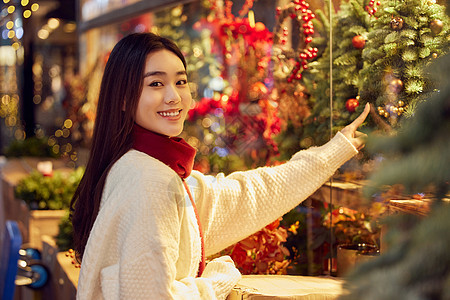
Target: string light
x,y
70,27
34,7
11,9
19,32
68,123
10,24
53,23
251,18
24,2
27,13
43,34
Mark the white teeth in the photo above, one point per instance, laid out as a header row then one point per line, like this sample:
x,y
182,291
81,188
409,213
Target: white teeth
x,y
169,114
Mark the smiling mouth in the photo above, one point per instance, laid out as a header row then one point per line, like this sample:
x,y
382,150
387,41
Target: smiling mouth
x,y
170,113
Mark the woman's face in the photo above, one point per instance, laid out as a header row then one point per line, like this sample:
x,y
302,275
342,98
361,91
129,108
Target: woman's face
x,y
166,97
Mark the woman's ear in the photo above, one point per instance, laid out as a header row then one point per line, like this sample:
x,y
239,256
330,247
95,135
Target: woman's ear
x,y
192,106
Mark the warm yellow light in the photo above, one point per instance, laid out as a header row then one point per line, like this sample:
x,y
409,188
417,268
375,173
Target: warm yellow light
x,y
11,9
70,27
43,34
5,1
27,14
10,24
68,123
55,149
65,132
15,45
58,133
11,34
251,18
36,99
24,2
53,23
34,7
19,134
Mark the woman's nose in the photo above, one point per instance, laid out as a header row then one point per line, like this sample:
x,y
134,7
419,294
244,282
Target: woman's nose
x,y
172,96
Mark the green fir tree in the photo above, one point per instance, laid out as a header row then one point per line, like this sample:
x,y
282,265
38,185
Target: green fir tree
x,y
350,32
406,37
349,22
416,264
298,132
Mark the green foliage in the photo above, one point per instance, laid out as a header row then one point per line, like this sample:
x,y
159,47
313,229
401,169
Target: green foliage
x,y
389,54
421,148
49,192
351,20
33,146
411,46
64,238
417,263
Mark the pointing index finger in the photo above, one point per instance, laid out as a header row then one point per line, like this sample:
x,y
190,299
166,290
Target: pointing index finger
x,y
360,119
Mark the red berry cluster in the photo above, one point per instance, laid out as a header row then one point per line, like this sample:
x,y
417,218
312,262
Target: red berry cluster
x,y
71,255
372,7
302,63
246,7
299,11
228,5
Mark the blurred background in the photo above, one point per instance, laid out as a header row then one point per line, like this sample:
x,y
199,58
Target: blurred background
x,y
269,78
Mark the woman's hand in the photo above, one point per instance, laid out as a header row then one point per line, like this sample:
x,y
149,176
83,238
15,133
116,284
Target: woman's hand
x,y
355,137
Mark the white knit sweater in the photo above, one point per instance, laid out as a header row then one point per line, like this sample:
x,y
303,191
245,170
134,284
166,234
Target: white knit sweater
x,y
145,242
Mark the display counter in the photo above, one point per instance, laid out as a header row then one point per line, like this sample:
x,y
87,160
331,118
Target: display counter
x,y
258,287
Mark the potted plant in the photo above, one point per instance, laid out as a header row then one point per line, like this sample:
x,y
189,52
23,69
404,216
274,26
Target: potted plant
x,y
357,235
48,198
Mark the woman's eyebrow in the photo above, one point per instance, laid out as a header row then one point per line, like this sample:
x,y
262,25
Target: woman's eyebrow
x,y
161,73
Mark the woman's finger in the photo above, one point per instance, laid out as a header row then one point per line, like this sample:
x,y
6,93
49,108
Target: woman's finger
x,y
359,140
359,120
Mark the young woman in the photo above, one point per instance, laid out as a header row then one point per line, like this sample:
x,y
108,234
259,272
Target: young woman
x,y
143,220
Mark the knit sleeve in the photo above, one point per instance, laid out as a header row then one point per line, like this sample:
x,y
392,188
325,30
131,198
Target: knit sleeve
x,y
236,206
145,219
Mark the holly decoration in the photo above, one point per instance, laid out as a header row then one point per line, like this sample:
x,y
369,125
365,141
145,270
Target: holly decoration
x,y
297,10
351,104
372,7
358,42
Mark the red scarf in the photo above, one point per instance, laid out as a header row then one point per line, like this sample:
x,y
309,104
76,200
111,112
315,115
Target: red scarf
x,y
175,153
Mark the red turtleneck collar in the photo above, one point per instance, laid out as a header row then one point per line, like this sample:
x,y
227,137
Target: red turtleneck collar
x,y
173,151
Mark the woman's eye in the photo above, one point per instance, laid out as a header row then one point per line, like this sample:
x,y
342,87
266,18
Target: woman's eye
x,y
182,82
156,83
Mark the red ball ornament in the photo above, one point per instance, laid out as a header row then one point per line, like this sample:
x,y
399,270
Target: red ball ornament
x,y
351,104
358,42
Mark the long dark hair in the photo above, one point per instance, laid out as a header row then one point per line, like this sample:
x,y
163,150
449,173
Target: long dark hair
x,y
120,91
